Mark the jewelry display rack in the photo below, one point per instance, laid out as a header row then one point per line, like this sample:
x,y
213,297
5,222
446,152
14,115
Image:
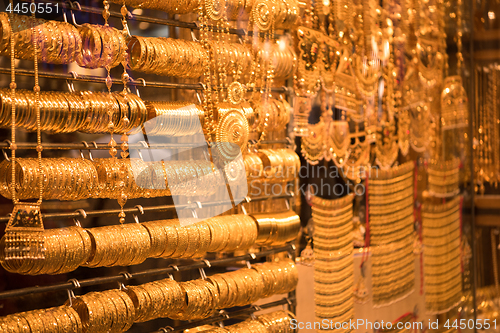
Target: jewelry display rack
x,y
182,265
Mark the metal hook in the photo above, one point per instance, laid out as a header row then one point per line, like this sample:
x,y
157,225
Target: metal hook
x,y
243,209
194,205
174,267
249,265
73,14
256,307
198,97
71,294
202,273
207,263
224,314
82,213
64,12
252,255
88,149
75,282
139,152
71,86
193,36
166,329
4,152
141,210
137,89
127,276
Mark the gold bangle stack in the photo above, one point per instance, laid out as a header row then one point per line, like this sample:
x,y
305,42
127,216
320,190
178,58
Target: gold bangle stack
x,y
393,277
391,226
442,255
118,245
283,58
129,107
76,178
132,243
443,178
59,112
63,178
136,178
83,111
232,232
158,299
247,285
173,118
180,58
105,311
333,259
57,319
66,250
200,300
277,228
58,42
272,165
102,46
276,114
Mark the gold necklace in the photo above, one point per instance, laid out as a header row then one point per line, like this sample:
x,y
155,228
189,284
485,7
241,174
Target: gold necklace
x,y
386,145
24,237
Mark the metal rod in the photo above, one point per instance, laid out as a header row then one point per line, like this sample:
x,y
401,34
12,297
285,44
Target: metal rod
x,y
132,82
151,272
136,210
227,315
105,146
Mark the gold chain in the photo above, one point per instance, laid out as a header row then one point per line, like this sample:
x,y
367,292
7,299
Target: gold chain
x,y
36,89
13,86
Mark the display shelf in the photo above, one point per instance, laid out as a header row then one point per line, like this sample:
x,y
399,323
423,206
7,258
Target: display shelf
x,y
125,276
73,76
140,209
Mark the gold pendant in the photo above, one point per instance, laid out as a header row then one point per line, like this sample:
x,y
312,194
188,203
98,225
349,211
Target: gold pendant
x,y
231,136
330,60
24,238
338,142
357,164
454,110
313,144
346,91
404,132
308,71
302,109
386,146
